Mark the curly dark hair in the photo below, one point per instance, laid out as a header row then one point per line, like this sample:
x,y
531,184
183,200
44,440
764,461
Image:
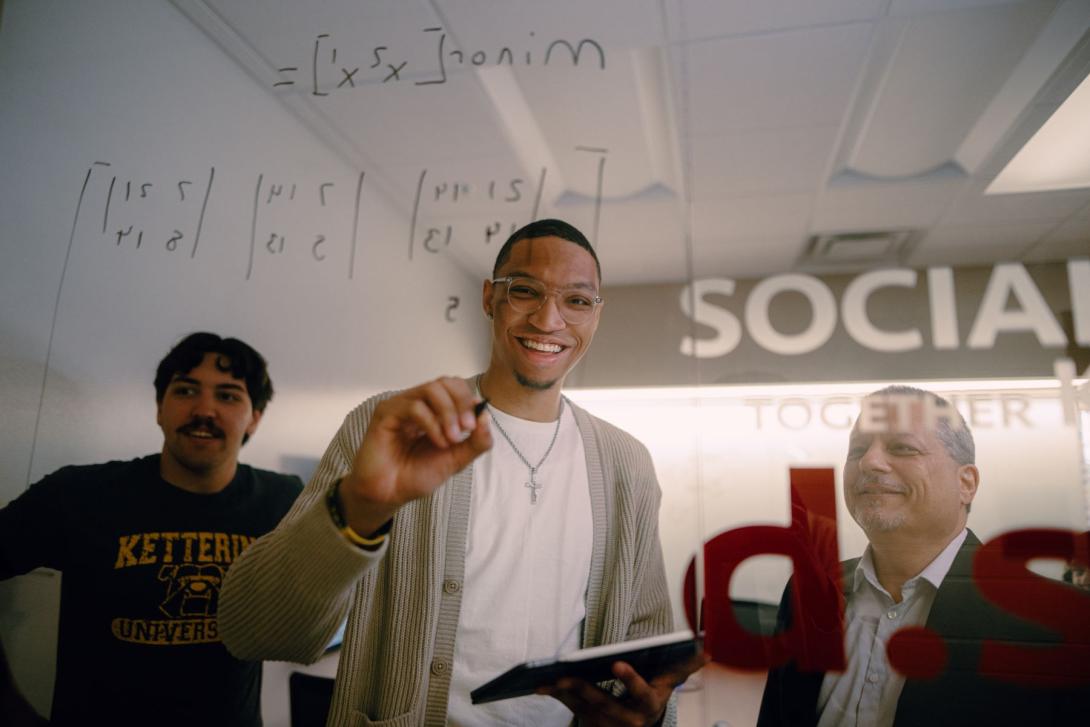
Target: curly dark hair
x,y
236,357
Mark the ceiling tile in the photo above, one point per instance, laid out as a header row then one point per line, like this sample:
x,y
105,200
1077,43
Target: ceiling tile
x,y
745,257
745,217
776,160
533,26
417,135
710,18
965,256
963,244
773,81
912,7
641,242
1059,250
1076,228
882,206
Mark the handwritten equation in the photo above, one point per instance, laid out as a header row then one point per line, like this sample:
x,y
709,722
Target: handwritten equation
x,y
301,223
326,69
434,197
137,211
280,204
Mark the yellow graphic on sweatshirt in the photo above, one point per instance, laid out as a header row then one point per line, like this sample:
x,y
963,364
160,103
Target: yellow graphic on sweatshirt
x,y
179,547
163,632
191,569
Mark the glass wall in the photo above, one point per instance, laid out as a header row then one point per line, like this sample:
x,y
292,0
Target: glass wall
x,y
795,204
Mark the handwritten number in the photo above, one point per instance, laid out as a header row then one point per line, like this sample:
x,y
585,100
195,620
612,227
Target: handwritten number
x,y
272,245
516,194
432,235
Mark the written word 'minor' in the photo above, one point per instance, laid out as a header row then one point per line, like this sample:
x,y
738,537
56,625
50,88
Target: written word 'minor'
x,y
328,67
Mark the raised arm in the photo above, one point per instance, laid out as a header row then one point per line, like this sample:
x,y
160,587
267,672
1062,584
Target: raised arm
x,y
287,594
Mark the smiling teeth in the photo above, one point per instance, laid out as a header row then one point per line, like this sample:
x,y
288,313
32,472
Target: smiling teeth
x,y
545,347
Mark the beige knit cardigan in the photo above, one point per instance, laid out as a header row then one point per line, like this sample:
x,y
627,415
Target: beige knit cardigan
x,y
288,593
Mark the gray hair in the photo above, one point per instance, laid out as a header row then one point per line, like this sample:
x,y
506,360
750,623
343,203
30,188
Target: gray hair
x,y
951,430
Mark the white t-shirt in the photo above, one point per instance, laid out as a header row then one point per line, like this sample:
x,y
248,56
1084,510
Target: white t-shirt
x,y
527,565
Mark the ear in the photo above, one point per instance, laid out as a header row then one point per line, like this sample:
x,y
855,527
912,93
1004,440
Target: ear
x,y
968,482
254,422
486,298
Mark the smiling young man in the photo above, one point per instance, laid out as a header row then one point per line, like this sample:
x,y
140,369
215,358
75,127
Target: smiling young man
x,y
143,545
910,478
459,543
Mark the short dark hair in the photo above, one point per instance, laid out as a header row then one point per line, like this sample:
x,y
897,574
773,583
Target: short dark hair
x,y
243,362
545,228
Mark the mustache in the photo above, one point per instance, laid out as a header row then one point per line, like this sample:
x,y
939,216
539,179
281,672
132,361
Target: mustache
x,y
876,483
201,424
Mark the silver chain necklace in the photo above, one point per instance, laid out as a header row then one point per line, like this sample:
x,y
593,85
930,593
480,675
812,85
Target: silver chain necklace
x,y
532,483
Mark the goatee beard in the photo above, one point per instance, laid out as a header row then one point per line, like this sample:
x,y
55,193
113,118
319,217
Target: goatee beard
x,y
535,385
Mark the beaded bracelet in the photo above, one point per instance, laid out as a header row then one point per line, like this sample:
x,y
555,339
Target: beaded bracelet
x,y
333,502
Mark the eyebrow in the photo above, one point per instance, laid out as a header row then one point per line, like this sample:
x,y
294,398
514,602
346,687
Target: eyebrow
x,y
178,378
520,274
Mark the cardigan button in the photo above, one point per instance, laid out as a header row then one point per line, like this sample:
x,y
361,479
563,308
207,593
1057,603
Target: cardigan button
x,y
438,666
451,586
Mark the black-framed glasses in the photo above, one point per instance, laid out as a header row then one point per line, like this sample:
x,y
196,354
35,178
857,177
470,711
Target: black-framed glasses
x,y
527,295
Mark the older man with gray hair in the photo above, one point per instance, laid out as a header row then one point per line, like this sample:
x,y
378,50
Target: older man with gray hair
x,y
910,477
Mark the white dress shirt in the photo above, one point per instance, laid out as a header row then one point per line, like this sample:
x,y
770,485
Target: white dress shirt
x,y
866,693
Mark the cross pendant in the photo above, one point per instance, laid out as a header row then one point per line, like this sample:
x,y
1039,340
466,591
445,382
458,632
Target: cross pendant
x,y
533,485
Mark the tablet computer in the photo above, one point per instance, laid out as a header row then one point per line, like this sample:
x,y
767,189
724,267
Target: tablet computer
x,y
650,657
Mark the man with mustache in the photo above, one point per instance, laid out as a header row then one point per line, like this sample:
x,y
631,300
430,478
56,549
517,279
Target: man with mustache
x,y
909,480
143,545
461,538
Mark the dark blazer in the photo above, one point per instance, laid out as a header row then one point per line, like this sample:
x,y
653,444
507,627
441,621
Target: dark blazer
x,y
958,696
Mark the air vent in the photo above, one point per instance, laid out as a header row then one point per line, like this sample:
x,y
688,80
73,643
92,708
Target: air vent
x,y
848,251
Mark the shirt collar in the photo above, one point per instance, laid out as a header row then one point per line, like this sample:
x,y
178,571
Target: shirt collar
x,y
936,570
933,573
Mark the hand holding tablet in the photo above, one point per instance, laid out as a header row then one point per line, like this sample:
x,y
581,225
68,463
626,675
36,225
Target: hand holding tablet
x,y
649,657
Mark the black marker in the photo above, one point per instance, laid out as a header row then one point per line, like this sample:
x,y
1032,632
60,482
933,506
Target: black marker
x,y
479,407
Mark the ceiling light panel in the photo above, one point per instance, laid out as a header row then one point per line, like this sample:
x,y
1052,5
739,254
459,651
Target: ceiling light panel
x,y
935,75
1058,155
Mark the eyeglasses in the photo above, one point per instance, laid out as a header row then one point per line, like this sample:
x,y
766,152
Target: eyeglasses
x,y
527,295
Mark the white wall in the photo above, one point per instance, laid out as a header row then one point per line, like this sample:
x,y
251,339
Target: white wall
x,y
721,468
137,86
